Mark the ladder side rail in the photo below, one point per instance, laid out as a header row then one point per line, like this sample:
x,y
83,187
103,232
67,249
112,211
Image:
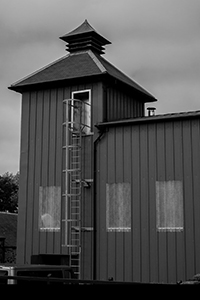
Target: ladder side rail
x,y
73,181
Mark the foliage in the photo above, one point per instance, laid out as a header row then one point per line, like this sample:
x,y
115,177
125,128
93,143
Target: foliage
x,y
9,186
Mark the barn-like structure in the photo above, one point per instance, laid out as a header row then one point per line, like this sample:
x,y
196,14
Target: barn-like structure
x,y
104,188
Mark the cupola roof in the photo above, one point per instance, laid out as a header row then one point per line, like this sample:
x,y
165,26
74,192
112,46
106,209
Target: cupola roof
x,y
85,37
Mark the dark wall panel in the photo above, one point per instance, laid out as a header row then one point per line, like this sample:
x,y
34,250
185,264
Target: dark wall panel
x,y
23,190
31,174
38,164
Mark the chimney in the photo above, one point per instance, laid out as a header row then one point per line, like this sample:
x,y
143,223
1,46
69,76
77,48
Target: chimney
x,y
151,111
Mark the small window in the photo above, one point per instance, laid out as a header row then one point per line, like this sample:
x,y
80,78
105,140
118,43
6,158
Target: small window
x,y
84,96
49,208
118,206
169,205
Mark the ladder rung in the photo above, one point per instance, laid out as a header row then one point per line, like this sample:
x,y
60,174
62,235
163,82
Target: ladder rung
x,y
75,200
76,138
74,146
73,195
74,151
71,246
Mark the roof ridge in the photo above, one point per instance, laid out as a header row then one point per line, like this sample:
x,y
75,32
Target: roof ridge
x,y
138,85
97,61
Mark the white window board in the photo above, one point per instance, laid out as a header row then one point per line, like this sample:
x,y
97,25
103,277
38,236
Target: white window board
x,y
169,205
118,207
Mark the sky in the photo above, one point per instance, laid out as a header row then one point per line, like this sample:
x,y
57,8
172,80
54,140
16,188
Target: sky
x,y
155,42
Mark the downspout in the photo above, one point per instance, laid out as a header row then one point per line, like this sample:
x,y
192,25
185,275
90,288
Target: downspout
x,y
97,140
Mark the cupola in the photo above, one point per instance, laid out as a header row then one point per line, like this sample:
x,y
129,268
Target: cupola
x,y
85,37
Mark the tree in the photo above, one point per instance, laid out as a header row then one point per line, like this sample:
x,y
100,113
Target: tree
x,y
9,186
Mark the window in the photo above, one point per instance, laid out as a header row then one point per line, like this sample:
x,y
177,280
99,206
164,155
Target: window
x,y
118,207
84,96
49,208
169,205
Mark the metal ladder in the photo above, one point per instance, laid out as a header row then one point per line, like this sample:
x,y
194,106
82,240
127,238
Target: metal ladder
x,y
73,182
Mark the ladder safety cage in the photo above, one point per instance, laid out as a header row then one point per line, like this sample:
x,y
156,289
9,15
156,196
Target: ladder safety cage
x,y
74,129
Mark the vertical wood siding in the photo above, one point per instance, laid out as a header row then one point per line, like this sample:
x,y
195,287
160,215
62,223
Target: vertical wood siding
x,y
41,165
120,105
143,154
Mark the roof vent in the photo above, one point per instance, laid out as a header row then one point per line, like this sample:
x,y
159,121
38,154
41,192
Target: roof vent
x,y
151,111
85,37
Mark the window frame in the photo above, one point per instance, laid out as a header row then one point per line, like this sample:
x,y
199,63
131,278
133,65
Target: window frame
x,y
89,127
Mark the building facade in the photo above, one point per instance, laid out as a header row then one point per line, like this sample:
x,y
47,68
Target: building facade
x,y
148,199
137,177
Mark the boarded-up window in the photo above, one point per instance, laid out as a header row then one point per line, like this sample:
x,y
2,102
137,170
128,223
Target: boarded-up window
x,y
169,205
49,208
118,206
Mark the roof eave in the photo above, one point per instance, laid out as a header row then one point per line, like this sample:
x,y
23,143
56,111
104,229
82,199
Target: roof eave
x,y
145,96
21,88
149,119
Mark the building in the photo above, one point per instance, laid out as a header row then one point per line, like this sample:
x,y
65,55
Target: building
x,y
152,163
8,237
102,187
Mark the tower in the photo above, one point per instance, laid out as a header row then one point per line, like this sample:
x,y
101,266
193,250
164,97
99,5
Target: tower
x,y
106,94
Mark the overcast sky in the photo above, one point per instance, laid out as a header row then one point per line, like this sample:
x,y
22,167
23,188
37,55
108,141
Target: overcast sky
x,y
155,42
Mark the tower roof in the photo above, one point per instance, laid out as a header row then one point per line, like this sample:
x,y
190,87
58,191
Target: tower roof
x,y
83,62
85,37
75,66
